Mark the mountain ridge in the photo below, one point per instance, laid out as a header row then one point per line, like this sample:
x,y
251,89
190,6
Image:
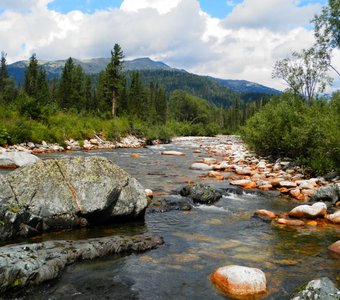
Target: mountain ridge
x,y
96,65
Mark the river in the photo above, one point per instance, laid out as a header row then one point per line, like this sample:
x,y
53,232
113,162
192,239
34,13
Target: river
x,y
196,242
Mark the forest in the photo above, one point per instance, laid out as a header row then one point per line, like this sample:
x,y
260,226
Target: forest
x,y
78,105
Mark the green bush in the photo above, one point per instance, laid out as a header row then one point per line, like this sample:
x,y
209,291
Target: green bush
x,y
4,137
287,126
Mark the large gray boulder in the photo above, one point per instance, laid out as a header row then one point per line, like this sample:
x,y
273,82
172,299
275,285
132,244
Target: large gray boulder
x,y
65,193
322,288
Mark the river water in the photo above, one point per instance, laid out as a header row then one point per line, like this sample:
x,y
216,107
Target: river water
x,y
196,242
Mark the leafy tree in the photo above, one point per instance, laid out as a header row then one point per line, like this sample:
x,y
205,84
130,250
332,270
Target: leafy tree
x,y
327,25
305,73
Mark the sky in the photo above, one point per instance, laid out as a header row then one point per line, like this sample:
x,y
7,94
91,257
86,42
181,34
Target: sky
x,y
230,39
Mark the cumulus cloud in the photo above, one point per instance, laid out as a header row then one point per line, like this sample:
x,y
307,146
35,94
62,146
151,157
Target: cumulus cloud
x,y
174,31
271,14
162,6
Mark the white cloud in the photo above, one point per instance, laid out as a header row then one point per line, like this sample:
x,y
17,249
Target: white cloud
x,y
162,6
176,32
271,14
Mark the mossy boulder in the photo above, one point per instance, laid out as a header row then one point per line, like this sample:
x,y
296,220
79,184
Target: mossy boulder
x,y
66,193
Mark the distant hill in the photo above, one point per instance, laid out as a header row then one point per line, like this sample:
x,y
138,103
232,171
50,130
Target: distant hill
x,y
218,91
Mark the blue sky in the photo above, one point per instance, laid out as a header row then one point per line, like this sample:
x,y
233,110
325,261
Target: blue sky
x,y
216,8
232,39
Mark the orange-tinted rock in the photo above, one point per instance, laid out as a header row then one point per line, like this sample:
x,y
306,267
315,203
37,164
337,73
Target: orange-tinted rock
x,y
318,209
276,181
237,281
335,247
197,151
295,192
265,187
290,222
134,155
312,223
265,213
251,185
219,177
334,218
283,190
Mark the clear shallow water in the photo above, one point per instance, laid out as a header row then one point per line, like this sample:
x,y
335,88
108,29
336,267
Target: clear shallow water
x,y
196,242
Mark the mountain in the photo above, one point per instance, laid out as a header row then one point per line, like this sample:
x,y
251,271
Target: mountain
x,y
218,91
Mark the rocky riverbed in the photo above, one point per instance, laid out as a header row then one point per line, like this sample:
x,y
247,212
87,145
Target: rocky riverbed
x,y
221,231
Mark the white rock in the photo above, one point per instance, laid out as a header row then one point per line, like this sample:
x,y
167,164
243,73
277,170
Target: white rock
x,y
201,166
318,209
334,218
239,280
19,158
174,153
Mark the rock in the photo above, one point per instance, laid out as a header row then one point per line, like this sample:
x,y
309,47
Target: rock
x,y
322,288
306,185
66,193
295,192
169,203
174,153
318,209
265,187
262,165
149,193
239,281
290,222
209,160
17,159
334,218
265,213
243,171
287,184
335,247
242,182
201,193
134,155
39,262
201,166
327,193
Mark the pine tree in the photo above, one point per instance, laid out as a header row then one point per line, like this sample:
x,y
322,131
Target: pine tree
x,y
3,71
113,78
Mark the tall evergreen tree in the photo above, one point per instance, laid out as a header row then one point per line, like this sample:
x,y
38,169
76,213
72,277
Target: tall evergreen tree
x,y
112,78
3,71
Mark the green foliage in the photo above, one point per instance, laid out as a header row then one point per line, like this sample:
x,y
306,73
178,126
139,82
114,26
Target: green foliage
x,y
287,126
4,137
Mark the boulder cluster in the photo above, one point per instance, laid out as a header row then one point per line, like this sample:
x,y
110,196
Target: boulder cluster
x,y
243,168
95,143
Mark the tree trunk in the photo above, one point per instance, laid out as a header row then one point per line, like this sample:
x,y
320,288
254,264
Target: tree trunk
x,y
113,104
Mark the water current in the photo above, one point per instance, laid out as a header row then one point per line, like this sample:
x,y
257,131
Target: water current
x,y
196,242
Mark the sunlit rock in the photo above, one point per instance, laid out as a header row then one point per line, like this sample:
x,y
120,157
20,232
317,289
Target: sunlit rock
x,y
243,171
201,166
335,247
290,222
334,218
287,184
265,213
173,153
236,281
318,209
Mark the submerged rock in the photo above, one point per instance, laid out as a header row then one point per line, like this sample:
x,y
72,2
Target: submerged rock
x,y
239,281
168,203
322,288
31,264
65,193
201,193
